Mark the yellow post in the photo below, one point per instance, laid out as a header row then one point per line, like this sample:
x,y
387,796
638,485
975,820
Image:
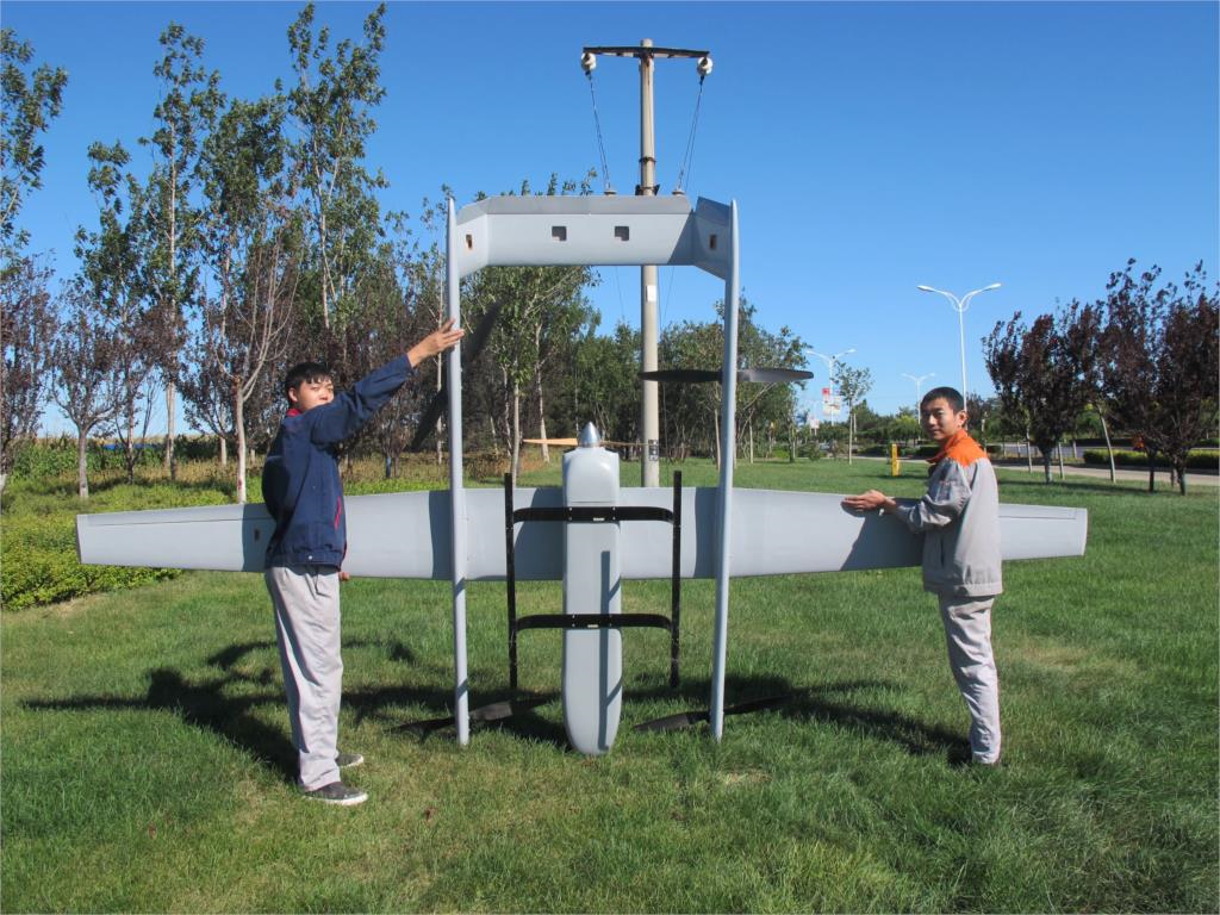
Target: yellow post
x,y
895,467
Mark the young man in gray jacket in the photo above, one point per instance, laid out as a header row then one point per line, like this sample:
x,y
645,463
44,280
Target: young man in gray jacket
x,y
304,494
959,518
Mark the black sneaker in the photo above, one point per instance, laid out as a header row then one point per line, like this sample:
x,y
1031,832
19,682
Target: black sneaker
x,y
349,760
338,793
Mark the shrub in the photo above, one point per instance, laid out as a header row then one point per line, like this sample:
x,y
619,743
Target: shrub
x,y
38,537
1195,460
53,457
40,564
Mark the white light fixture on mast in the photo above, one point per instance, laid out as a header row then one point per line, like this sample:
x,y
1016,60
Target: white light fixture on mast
x,y
919,380
960,306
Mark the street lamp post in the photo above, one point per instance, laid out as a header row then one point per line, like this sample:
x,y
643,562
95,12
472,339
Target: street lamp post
x,y
918,387
830,361
960,306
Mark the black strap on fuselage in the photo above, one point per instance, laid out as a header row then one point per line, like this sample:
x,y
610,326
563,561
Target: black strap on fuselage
x,y
593,515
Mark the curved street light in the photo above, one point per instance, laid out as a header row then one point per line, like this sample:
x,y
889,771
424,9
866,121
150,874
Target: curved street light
x,y
831,361
960,306
919,380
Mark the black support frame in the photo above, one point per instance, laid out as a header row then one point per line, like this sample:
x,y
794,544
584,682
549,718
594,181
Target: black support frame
x,y
593,515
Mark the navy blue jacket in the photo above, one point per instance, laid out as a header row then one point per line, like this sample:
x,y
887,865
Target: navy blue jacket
x,y
301,483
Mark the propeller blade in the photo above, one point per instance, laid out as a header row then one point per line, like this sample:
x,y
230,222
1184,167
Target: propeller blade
x,y
495,711
682,376
760,376
773,376
688,719
432,414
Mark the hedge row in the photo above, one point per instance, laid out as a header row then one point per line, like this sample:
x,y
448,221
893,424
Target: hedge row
x,y
40,564
38,537
1195,460
51,457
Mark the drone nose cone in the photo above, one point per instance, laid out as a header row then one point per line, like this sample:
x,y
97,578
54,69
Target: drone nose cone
x,y
589,437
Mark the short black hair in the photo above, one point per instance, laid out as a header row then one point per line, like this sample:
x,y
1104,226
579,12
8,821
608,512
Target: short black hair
x,y
303,372
953,395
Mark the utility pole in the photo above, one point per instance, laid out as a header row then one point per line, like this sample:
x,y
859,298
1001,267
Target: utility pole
x,y
650,424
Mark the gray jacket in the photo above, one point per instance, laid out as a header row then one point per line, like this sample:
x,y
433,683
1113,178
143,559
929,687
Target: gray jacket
x,y
960,519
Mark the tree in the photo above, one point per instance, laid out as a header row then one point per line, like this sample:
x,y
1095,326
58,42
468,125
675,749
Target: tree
x,y
605,384
330,105
112,269
691,412
1043,372
853,385
30,101
28,325
541,310
1161,369
84,356
252,243
394,317
190,99
764,407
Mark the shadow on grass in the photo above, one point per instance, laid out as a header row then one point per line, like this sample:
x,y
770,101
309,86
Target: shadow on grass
x,y
829,703
225,704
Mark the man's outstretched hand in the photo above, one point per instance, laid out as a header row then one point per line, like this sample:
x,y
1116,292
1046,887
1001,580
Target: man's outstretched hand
x,y
441,340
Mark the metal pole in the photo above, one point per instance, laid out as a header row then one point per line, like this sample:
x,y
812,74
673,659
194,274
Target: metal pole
x,y
728,456
646,54
960,306
919,380
650,423
457,490
961,336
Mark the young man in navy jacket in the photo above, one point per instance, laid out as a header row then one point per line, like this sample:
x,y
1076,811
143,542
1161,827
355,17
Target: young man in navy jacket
x,y
304,494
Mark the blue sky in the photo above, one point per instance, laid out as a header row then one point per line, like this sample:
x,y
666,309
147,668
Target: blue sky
x,y
871,147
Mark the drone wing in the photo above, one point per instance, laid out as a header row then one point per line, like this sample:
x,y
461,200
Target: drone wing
x,y
408,535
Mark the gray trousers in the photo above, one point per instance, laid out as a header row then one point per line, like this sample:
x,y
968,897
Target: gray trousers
x,y
968,636
306,600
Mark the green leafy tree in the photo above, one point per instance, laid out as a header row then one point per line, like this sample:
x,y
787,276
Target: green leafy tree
x,y
605,384
330,106
112,269
690,412
31,99
186,113
764,410
854,385
252,242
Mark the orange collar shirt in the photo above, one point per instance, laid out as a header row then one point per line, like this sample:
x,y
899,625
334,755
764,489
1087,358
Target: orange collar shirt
x,y
959,517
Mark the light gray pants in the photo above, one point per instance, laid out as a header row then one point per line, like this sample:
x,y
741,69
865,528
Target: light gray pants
x,y
306,602
968,636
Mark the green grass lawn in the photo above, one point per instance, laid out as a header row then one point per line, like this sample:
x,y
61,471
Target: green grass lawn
x,y
147,765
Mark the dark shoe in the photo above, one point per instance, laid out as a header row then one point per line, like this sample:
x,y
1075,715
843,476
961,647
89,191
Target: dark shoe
x,y
349,760
338,793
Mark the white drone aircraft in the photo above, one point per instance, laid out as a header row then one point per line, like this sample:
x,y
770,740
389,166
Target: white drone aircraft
x,y
590,533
